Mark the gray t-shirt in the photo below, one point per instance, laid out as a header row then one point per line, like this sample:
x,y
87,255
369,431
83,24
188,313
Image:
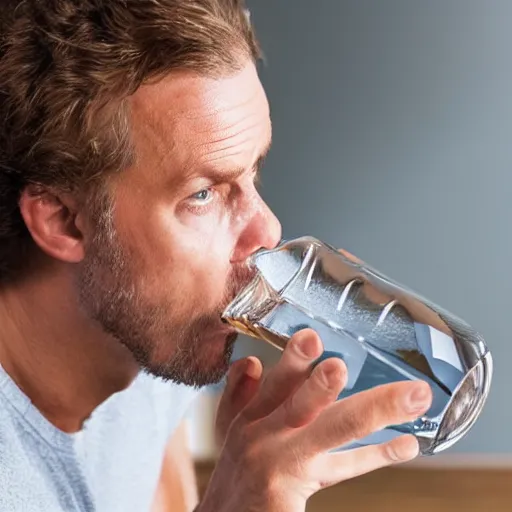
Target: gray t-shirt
x,y
112,465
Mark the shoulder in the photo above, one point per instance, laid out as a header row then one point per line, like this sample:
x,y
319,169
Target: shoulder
x,y
23,481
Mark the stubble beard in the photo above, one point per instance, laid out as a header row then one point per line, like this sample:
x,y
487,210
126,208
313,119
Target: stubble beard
x,y
109,294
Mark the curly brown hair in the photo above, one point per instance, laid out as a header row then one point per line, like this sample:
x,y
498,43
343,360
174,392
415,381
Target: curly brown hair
x,y
67,70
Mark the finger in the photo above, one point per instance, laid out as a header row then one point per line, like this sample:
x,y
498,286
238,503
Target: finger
x,y
334,468
364,413
320,390
243,381
290,372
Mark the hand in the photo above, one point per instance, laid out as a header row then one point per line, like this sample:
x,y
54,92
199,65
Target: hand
x,y
279,430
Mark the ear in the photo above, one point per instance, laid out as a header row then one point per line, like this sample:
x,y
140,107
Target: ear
x,y
52,220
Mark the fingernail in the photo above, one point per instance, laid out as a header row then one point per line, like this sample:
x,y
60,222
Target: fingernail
x,y
330,376
307,346
420,398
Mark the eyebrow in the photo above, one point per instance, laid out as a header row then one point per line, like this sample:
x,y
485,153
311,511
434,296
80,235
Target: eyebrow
x,y
225,175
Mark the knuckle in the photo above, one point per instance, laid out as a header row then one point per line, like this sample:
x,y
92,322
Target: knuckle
x,y
303,406
290,407
360,424
386,404
292,413
352,425
330,376
242,440
258,460
320,378
364,414
372,410
326,381
396,402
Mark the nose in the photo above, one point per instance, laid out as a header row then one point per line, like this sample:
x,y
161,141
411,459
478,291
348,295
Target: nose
x,y
262,232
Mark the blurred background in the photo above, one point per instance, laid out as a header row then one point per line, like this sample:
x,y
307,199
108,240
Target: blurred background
x,y
392,139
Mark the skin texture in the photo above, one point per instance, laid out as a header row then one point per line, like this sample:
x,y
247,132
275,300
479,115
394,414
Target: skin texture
x,y
162,269
139,281
277,431
144,283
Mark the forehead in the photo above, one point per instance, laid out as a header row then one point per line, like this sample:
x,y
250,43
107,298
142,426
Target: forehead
x,y
191,119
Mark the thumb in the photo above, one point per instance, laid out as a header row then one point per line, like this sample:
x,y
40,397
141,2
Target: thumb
x,y
243,382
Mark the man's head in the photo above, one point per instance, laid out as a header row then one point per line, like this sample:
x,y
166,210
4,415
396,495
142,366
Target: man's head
x,y
132,132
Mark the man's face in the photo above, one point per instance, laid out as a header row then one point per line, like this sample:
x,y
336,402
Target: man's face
x,y
169,254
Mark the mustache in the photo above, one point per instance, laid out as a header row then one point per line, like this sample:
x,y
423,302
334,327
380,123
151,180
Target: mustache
x,y
241,275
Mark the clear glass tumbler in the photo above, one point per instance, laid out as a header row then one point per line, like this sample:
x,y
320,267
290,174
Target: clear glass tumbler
x,y
383,331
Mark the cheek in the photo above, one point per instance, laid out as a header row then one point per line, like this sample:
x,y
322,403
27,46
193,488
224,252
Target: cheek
x,y
191,261
178,257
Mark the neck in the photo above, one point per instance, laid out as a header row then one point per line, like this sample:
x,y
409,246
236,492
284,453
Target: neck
x,y
59,358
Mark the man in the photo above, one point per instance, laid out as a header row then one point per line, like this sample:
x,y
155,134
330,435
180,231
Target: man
x,y
132,133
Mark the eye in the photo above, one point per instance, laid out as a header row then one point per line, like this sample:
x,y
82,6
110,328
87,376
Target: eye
x,y
202,197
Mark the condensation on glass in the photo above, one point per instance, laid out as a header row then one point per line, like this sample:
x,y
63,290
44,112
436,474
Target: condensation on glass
x,y
383,331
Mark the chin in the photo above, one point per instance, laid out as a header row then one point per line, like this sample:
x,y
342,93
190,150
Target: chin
x,y
205,361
